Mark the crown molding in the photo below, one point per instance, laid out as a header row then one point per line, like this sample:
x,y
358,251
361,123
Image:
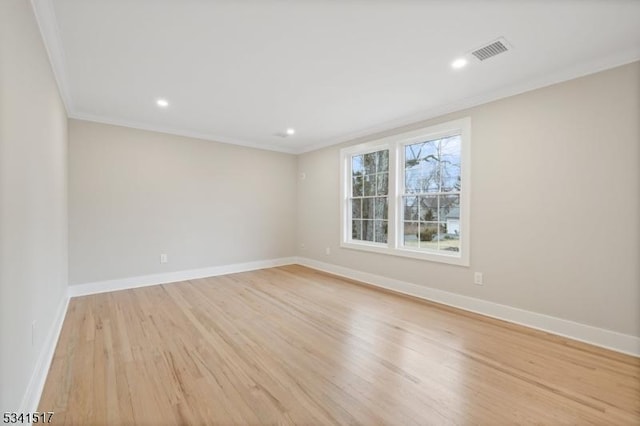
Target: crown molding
x,y
176,131
48,25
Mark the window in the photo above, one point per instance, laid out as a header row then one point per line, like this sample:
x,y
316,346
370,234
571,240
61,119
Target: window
x,y
369,196
407,195
431,196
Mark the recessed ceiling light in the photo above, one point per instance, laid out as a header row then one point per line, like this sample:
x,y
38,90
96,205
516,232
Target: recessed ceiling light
x,y
163,103
290,131
458,63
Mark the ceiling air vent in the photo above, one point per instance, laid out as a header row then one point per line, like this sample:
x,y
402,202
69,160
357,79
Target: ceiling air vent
x,y
492,49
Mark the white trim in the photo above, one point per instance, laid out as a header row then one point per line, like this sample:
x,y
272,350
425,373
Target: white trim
x,y
585,333
405,252
170,277
48,24
178,132
32,395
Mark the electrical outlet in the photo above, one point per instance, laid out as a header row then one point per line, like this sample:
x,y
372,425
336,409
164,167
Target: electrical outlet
x,y
303,176
327,251
477,278
164,258
302,246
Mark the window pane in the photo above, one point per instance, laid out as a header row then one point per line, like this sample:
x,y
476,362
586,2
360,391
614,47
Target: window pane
x,y
411,183
367,230
356,186
411,155
368,208
410,208
449,153
449,201
450,243
357,165
370,162
381,231
450,214
410,238
381,208
428,208
383,161
383,183
449,207
356,229
369,185
422,178
356,208
421,167
429,235
433,166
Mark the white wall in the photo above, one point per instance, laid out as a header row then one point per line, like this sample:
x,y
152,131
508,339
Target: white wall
x,y
135,194
33,202
554,173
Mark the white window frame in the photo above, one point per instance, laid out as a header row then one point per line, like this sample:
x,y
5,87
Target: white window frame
x,y
395,144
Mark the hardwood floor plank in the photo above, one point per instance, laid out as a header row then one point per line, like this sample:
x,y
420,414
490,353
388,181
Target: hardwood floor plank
x,y
291,345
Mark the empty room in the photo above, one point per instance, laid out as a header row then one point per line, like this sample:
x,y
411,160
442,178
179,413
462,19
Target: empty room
x,y
317,212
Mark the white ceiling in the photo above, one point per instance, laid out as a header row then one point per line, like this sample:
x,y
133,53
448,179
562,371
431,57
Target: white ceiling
x,y
242,71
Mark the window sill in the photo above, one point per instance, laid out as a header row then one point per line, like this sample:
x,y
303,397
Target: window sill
x,y
450,259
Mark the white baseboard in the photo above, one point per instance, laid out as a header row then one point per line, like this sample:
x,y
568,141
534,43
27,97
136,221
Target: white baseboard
x,y
170,277
585,333
33,393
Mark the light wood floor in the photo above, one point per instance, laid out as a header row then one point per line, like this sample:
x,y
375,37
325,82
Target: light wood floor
x,y
291,345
